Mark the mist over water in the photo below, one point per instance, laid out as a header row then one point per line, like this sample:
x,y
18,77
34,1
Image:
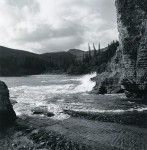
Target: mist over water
x,y
58,92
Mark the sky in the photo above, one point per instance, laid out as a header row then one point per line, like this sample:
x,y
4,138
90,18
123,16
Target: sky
x,y
42,26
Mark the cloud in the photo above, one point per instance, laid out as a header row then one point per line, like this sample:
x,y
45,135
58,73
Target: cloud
x,y
56,25
32,5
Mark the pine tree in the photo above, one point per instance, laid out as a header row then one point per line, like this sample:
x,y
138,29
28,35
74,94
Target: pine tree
x,y
99,48
89,51
95,52
83,59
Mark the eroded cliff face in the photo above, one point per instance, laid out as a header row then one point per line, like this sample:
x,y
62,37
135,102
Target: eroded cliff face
x,y
132,27
128,69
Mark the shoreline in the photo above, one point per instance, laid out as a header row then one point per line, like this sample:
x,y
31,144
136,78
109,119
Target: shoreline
x,y
73,134
127,117
82,131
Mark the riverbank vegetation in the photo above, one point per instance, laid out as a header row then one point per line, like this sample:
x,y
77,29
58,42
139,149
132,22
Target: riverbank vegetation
x,y
94,60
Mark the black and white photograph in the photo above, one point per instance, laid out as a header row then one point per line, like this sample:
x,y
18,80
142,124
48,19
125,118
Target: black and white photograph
x,y
73,74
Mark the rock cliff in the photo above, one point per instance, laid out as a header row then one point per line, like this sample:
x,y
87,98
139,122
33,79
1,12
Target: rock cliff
x,y
129,66
132,27
7,114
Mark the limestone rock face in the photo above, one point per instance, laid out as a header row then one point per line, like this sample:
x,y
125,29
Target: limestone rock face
x,y
7,114
132,27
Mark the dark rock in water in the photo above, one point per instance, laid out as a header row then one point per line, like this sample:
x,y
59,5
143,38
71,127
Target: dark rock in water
x,y
50,114
7,114
42,110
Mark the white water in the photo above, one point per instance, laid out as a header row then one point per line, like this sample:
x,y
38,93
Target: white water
x,y
31,96
86,84
58,92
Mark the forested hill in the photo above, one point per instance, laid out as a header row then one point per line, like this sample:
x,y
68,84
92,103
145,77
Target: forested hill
x,y
58,62
94,60
17,63
77,53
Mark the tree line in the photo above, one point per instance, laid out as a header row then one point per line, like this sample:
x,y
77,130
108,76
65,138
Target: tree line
x,y
94,59
16,63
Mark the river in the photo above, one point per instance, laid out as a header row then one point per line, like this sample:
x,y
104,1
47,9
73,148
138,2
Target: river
x,y
60,92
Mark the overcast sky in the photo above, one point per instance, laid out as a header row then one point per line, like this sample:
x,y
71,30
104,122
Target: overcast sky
x,y
56,25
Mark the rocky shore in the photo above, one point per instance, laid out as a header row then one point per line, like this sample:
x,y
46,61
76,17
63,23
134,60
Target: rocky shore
x,y
82,131
41,133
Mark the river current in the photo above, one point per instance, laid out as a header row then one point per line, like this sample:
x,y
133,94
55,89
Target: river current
x,y
58,92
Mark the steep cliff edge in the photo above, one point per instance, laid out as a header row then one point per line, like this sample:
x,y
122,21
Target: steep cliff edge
x,y
129,66
7,114
132,27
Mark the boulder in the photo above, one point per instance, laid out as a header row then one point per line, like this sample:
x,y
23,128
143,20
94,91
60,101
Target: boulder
x,y
7,114
42,110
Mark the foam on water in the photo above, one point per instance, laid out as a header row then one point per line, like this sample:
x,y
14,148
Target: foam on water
x,y
110,111
66,92
29,97
86,83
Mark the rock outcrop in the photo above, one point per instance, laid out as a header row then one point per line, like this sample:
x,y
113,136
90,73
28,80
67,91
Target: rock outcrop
x,y
42,110
111,77
128,69
7,114
132,27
